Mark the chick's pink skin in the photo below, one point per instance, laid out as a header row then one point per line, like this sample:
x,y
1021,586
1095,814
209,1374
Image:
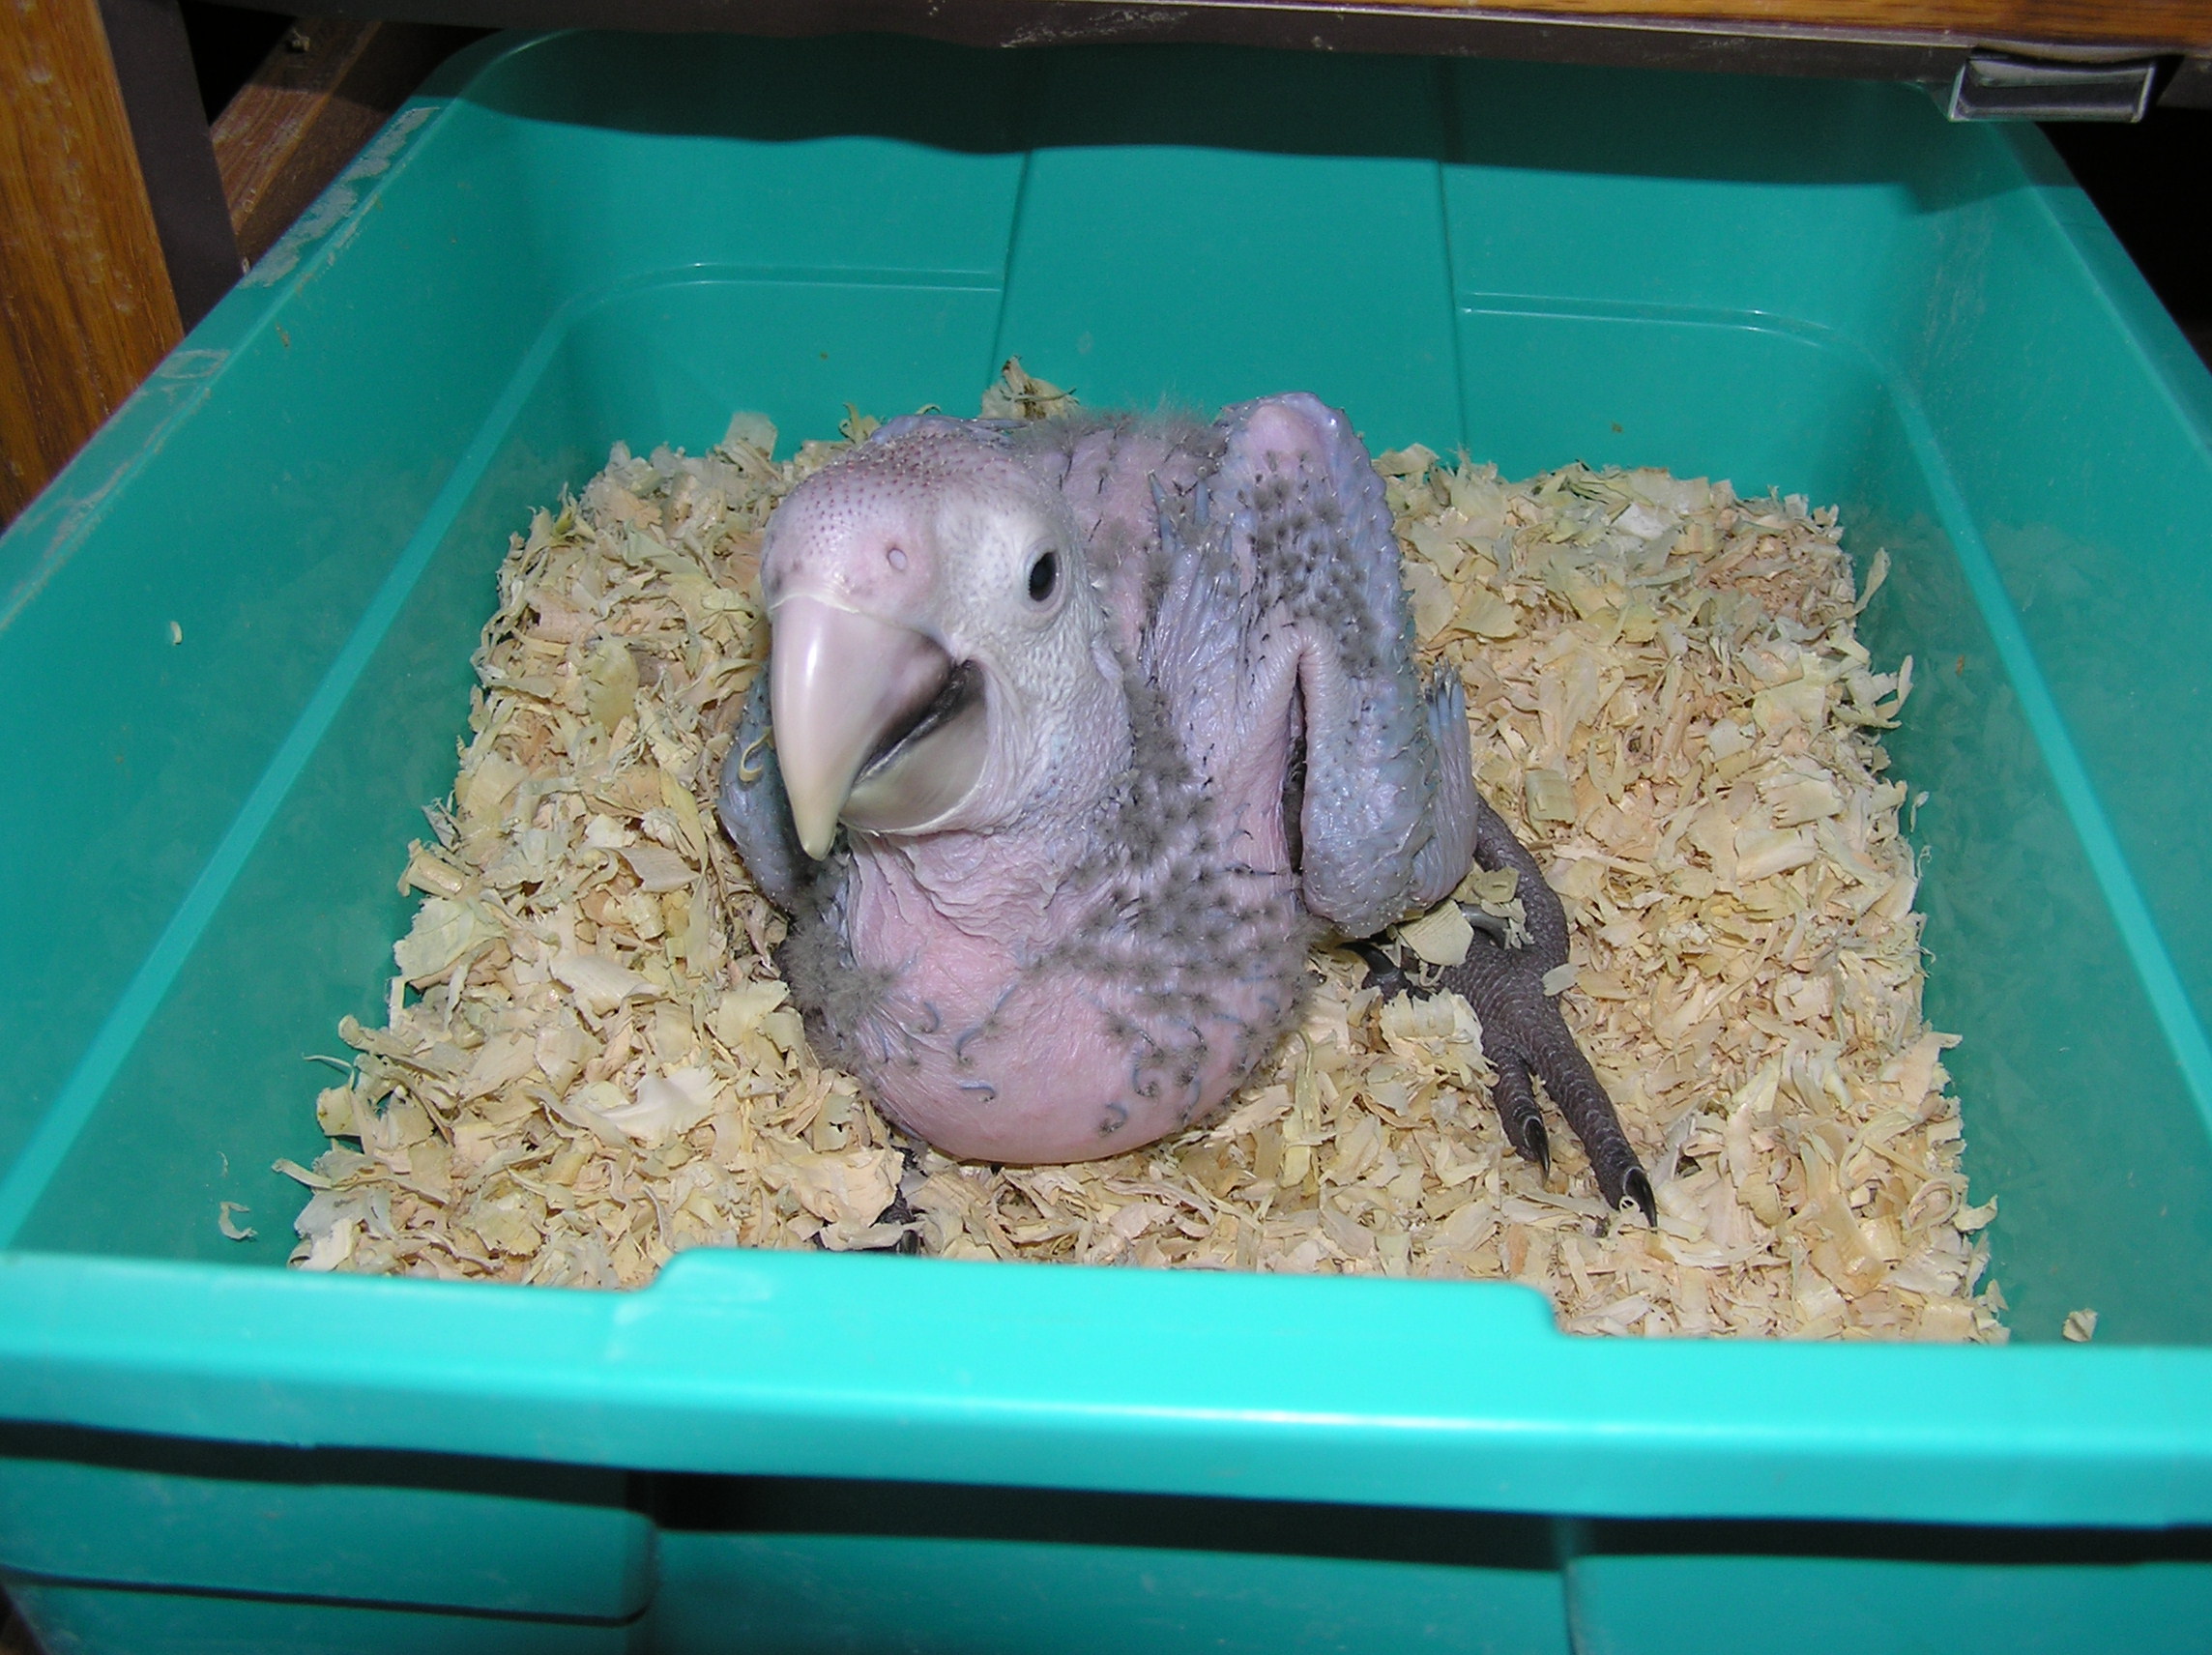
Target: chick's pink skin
x,y
1016,991
990,1047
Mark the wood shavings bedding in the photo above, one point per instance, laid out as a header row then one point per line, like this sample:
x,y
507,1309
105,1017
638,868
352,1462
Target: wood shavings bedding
x,y
589,1064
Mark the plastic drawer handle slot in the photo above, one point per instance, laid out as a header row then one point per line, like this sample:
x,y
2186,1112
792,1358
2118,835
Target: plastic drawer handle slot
x,y
1993,88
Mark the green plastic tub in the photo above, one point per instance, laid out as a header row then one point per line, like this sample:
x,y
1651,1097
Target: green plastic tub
x,y
576,239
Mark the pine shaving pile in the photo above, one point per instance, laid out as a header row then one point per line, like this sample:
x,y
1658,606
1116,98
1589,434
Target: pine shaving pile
x,y
589,1062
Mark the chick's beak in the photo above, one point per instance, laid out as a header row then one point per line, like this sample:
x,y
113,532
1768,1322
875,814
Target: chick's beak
x,y
842,686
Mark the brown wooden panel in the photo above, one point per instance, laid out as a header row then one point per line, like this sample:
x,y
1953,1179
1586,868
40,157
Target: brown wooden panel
x,y
85,307
315,99
154,70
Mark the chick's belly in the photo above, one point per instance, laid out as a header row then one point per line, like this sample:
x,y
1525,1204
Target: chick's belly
x,y
1058,1074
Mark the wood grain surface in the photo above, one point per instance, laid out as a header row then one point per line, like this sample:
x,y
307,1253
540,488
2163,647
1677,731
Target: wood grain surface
x,y
85,307
316,99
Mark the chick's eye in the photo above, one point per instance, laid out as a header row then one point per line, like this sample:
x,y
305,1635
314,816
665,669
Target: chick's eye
x,y
1044,576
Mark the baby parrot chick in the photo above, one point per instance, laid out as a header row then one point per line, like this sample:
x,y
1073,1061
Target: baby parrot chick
x,y
1075,736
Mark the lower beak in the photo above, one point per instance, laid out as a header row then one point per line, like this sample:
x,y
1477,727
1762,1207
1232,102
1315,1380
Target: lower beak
x,y
842,686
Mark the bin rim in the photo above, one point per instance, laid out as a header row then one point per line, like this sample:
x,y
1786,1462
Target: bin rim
x,y
1170,1383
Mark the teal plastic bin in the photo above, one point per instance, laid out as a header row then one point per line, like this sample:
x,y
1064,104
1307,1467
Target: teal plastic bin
x,y
576,239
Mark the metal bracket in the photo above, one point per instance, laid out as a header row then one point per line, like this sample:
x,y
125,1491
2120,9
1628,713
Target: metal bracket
x,y
1989,87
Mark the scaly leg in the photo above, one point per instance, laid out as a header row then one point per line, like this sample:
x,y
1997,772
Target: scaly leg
x,y
1524,1034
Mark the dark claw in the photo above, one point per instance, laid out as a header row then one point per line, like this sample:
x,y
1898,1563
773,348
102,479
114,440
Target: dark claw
x,y
1516,1112
1580,1096
1385,974
1538,1148
1486,922
1638,1190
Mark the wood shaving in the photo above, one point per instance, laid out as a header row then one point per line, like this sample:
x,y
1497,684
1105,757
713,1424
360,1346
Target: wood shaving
x,y
589,1062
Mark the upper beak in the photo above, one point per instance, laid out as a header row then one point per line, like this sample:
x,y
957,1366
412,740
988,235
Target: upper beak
x,y
841,686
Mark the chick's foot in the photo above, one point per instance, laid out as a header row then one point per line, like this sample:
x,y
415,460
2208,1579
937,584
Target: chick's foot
x,y
1524,1036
